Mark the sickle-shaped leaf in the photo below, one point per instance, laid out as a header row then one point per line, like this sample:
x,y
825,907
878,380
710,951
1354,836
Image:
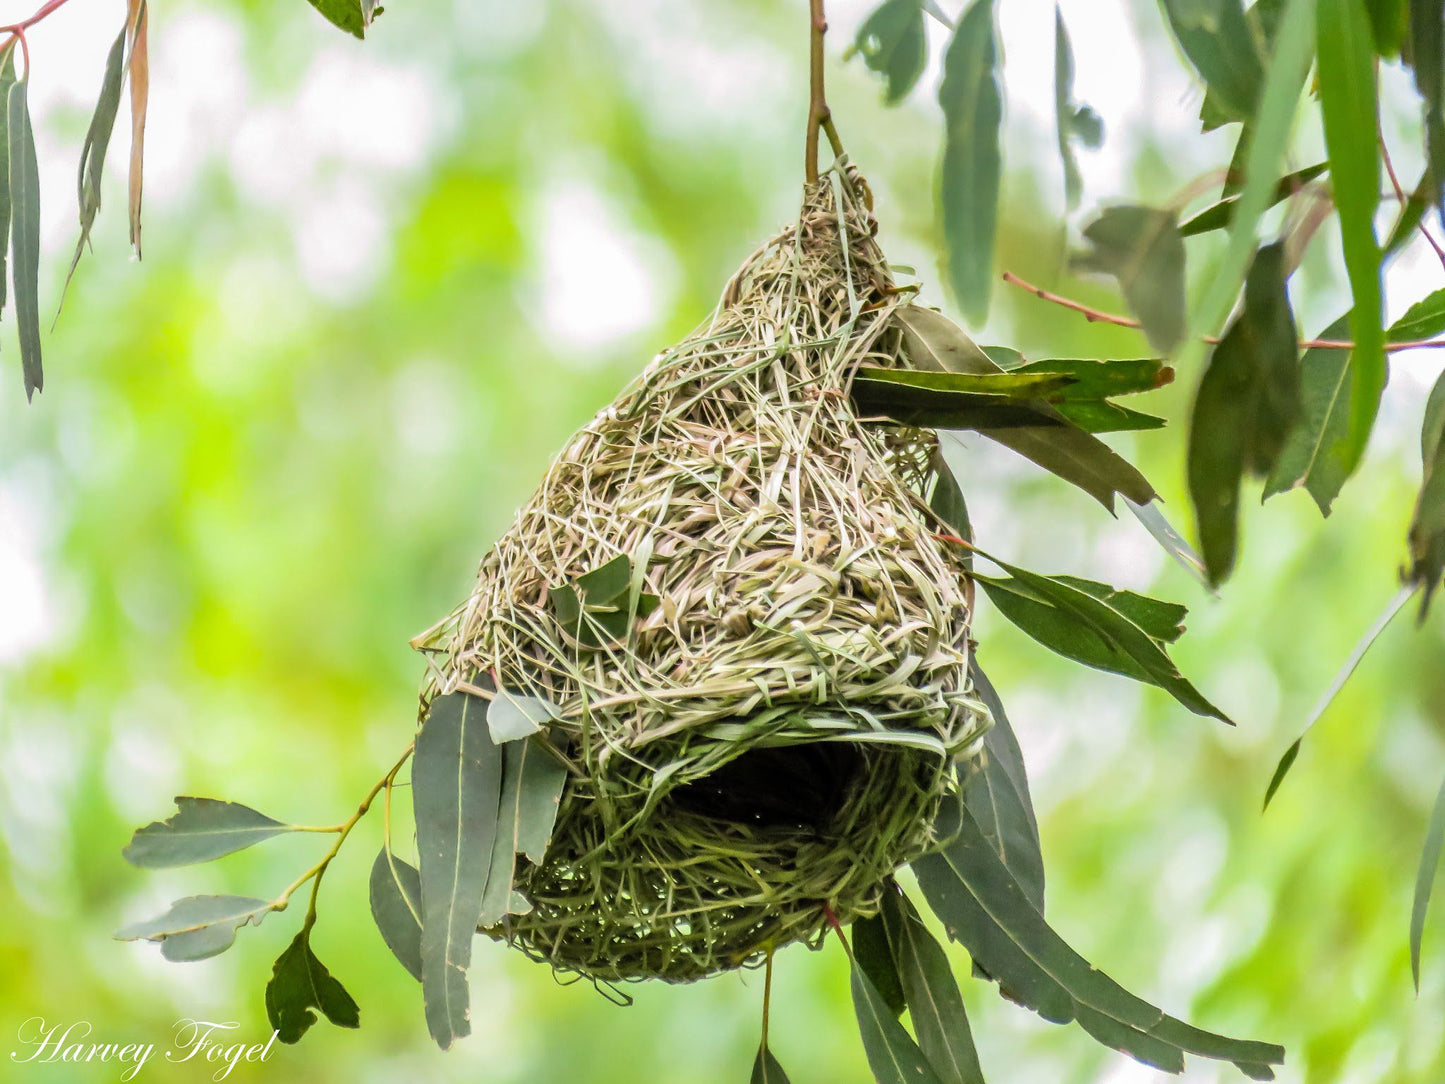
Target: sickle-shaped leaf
x,y
396,908
1425,881
934,1004
92,152
893,43
766,1069
1072,122
201,829
892,1054
140,82
300,983
1219,215
872,955
197,927
1143,249
532,784
1427,527
25,232
983,907
456,792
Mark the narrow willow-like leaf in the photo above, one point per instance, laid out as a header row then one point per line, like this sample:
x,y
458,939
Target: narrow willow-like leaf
x,y
971,95
1219,42
1018,384
766,1069
1367,641
1309,456
947,499
1072,122
396,908
1219,215
1143,249
1169,538
456,793
1349,105
1427,57
197,927
872,955
532,785
1270,128
1098,379
200,830
1248,402
1427,526
892,1054
92,152
1425,882
935,343
300,984
996,791
983,908
140,82
25,232
1086,628
893,43
7,80
512,716
1102,416
934,1003
353,16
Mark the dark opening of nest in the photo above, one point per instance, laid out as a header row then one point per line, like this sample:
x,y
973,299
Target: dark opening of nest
x,y
789,786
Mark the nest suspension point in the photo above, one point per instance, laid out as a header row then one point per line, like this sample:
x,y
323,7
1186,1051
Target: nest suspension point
x,y
762,724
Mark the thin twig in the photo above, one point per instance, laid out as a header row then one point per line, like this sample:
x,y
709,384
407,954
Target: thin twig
x,y
1097,316
1404,199
17,30
819,117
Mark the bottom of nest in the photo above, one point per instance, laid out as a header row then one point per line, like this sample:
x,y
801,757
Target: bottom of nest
x,y
714,872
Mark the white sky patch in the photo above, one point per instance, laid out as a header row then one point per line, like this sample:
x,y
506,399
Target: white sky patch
x,y
601,280
26,615
342,235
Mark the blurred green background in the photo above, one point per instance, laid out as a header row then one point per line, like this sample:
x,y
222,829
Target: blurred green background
x,y
382,283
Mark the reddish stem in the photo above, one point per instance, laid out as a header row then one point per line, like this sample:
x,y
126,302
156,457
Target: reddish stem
x,y
1098,316
17,30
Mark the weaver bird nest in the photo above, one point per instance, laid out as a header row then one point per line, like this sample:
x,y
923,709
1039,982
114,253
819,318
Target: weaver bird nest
x,y
762,706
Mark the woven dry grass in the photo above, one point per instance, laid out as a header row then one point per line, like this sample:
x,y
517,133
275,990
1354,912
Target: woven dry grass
x,y
775,737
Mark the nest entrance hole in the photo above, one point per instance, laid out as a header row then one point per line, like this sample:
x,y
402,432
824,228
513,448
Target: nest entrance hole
x,y
804,785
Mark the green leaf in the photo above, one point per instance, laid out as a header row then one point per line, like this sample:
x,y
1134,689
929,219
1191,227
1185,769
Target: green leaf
x,y
766,1069
931,341
971,95
1004,357
25,232
1269,138
1143,249
1425,882
597,609
353,16
893,43
1163,621
1421,321
1093,379
300,983
396,908
200,830
1348,103
1310,453
933,400
1427,527
983,907
92,151
1170,540
892,1054
1222,46
1101,416
1410,217
7,80
996,791
1382,622
1072,122
199,926
532,784
1082,626
934,1004
947,500
456,793
1427,57
1017,384
1389,22
1219,215
871,954
1247,403
511,716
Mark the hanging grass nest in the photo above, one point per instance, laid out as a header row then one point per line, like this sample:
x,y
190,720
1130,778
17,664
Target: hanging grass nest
x,y
752,647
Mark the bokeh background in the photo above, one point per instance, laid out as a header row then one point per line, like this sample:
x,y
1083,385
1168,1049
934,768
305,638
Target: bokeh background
x,y
382,282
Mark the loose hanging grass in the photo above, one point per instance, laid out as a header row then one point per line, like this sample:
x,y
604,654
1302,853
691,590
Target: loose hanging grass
x,y
762,716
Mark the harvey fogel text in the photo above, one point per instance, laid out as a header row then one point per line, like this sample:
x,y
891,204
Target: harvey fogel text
x,y
205,1044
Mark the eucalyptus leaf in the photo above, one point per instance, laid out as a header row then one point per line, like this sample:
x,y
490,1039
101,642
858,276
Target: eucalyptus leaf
x,y
1219,215
1098,379
1350,108
300,984
1425,882
872,955
1143,249
1427,526
1169,538
532,784
1219,42
513,716
25,232
1248,401
934,1003
1427,57
92,151
983,907
1102,416
456,793
198,927
395,891
766,1069
1073,123
200,830
971,95
7,81
893,43
353,16
892,1054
